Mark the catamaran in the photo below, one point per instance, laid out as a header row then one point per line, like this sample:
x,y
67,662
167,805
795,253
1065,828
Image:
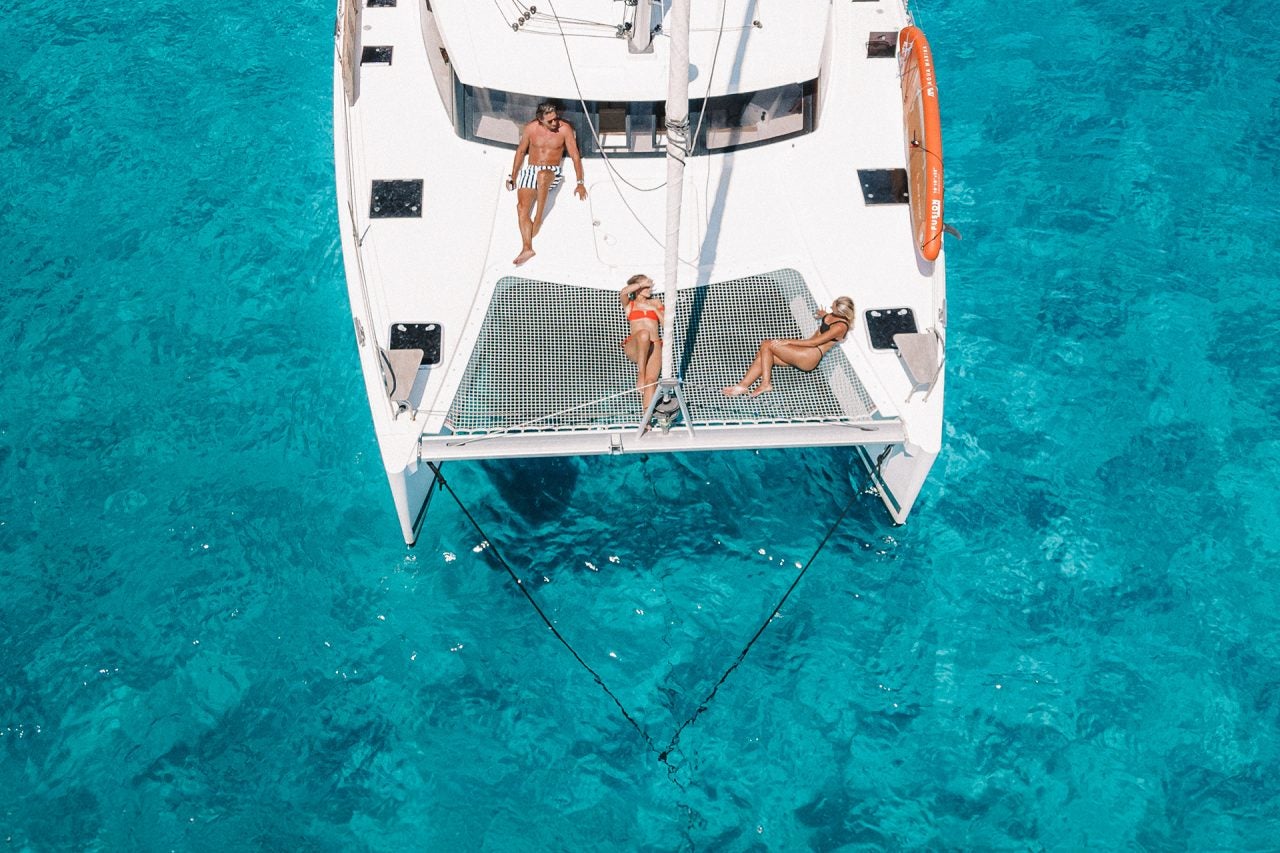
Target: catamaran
x,y
758,160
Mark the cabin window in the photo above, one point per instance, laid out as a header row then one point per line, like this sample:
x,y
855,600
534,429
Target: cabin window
x,y
491,115
734,121
613,126
638,128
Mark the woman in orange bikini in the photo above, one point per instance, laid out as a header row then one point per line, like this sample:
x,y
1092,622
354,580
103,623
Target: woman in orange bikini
x,y
803,354
643,346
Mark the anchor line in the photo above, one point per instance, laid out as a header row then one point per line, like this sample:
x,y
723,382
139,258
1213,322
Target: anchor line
x,y
742,655
542,615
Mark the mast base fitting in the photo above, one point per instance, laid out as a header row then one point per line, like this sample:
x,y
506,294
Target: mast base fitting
x,y
665,412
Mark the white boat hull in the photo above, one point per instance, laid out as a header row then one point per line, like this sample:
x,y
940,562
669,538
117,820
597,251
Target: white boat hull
x,y
785,217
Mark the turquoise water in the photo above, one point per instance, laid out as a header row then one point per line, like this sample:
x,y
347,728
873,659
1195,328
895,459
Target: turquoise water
x,y
213,640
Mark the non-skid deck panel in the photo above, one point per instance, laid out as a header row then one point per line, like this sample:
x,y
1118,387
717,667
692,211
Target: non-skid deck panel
x,y
549,359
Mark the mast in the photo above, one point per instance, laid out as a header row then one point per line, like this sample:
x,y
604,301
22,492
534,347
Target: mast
x,y
668,402
677,149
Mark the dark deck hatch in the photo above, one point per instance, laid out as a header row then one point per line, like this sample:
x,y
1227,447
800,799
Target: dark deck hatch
x,y
884,323
423,336
396,199
882,45
884,186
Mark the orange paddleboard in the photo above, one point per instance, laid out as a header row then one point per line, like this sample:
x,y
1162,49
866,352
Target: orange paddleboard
x,y
923,129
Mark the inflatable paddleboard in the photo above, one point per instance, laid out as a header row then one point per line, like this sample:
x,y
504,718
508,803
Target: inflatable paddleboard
x,y
923,129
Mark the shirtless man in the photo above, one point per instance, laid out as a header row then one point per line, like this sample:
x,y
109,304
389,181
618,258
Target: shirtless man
x,y
545,140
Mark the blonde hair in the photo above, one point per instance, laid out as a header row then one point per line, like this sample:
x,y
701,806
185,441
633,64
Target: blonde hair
x,y
843,306
635,279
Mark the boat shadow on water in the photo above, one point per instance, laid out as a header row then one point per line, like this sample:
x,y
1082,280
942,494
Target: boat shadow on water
x,y
537,490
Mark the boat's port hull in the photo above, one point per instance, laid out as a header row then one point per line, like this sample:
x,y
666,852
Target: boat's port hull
x,y
411,492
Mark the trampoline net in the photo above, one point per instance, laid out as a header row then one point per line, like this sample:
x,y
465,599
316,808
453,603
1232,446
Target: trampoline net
x,y
549,359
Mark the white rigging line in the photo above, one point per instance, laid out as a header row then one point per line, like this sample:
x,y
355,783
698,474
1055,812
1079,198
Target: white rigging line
x,y
497,5
715,56
693,141
587,116
520,427
614,174
524,14
614,177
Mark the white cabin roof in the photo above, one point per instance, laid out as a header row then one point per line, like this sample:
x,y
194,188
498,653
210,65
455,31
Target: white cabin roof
x,y
763,45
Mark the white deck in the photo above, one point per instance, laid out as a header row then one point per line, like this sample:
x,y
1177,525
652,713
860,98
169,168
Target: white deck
x,y
487,51
791,204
